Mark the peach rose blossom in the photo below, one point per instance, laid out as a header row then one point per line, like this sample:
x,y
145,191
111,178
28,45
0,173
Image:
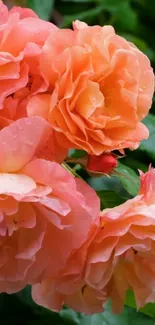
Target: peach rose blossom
x,y
45,213
22,35
100,88
118,255
68,286
122,255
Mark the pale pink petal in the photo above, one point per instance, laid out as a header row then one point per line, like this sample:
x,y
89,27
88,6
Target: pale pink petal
x,y
16,184
24,12
3,13
20,141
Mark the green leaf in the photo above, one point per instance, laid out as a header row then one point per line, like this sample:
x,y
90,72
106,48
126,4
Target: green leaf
x,y
109,184
69,317
43,8
110,199
148,310
105,183
76,153
78,1
112,6
126,17
84,15
135,163
128,317
148,146
130,299
19,309
129,179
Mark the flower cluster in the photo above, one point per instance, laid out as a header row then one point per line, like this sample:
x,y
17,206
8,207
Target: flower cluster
x,y
84,88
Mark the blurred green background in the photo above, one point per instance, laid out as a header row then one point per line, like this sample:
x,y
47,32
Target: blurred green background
x,y
134,20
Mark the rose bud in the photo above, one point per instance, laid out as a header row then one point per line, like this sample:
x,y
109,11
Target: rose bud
x,y
104,163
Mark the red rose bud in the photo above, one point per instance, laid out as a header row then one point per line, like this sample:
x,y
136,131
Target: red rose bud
x,y
104,163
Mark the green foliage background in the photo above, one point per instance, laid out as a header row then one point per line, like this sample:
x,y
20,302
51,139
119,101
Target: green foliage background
x,y
135,20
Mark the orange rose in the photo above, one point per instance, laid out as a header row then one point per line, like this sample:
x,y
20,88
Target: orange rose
x,y
69,287
118,254
100,88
